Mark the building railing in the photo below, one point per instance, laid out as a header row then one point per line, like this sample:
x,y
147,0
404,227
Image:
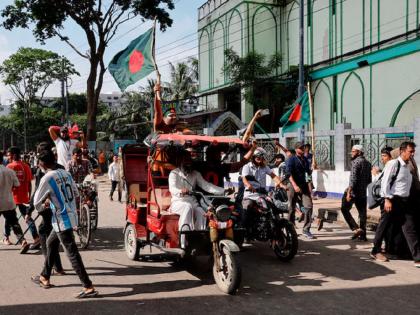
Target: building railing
x,y
332,148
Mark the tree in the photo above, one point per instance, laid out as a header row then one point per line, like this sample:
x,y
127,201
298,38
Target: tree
x,y
184,80
99,24
255,74
29,72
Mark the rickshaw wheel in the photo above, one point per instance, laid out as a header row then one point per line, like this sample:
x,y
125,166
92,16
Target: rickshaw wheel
x,y
132,246
84,227
229,278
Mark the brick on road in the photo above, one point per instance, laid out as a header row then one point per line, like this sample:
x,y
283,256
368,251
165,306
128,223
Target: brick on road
x,y
329,275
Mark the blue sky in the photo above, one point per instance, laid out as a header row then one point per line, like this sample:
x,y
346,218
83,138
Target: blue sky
x,y
183,31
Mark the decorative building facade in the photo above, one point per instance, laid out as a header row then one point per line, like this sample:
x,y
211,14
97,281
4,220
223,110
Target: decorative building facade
x,y
363,55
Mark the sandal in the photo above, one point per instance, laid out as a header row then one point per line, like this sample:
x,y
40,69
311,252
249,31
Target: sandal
x,y
87,293
6,241
59,273
43,284
25,247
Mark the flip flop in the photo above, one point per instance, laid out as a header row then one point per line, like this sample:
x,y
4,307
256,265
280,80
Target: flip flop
x,y
25,247
85,294
37,281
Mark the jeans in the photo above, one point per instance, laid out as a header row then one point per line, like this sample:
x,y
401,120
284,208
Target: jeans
x,y
45,229
114,185
31,223
404,217
304,198
66,238
361,206
381,230
11,221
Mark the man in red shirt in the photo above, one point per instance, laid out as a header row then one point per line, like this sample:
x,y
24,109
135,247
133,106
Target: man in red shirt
x,y
22,194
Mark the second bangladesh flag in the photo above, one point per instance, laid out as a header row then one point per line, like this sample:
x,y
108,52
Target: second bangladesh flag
x,y
296,117
134,62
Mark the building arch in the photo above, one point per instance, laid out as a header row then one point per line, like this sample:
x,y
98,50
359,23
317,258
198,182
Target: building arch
x,y
351,77
237,26
317,109
224,120
204,65
294,7
218,56
264,29
400,107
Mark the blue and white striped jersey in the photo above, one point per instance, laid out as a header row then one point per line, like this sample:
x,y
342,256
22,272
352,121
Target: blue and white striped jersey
x,y
59,187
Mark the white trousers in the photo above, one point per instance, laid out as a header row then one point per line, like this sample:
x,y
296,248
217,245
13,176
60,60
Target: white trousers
x,y
191,215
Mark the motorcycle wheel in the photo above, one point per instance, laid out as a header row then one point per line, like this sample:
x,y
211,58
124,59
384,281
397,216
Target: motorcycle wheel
x,y
229,278
132,246
83,229
285,245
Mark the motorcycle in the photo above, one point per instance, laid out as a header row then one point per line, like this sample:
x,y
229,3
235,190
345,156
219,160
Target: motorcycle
x,y
267,224
226,268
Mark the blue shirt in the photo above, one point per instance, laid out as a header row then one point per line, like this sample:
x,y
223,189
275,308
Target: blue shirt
x,y
298,168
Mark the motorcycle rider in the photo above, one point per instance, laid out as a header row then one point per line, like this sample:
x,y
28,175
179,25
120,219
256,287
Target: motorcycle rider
x,y
254,176
182,181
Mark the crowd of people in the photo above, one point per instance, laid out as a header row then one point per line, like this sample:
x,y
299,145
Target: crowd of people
x,y
55,199
59,169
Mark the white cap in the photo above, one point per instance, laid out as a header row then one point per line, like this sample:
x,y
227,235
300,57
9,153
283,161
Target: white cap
x,y
358,147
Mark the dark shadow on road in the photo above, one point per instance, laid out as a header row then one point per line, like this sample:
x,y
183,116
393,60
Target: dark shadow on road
x,y
372,300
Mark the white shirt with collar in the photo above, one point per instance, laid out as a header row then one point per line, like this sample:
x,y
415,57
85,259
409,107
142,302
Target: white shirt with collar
x,y
114,172
402,183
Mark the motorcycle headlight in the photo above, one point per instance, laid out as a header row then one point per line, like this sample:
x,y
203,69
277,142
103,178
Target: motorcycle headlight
x,y
223,213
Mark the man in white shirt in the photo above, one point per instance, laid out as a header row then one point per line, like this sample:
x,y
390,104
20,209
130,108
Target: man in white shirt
x,y
9,180
115,177
395,188
183,181
63,143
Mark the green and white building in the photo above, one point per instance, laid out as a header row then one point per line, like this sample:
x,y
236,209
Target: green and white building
x,y
363,56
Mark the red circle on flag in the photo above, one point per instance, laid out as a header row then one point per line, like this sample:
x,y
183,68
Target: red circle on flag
x,y
136,61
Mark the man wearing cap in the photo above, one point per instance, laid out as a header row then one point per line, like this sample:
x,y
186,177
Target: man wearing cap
x,y
298,173
254,177
65,145
360,178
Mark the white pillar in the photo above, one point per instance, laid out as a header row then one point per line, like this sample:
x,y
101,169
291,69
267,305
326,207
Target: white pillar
x,y
340,147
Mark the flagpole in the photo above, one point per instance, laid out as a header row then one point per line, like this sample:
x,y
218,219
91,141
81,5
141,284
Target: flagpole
x,y
154,58
312,123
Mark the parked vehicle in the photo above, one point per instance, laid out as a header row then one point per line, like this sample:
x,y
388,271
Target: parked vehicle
x,y
150,223
87,212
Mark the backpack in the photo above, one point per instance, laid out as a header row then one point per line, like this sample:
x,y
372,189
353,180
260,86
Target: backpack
x,y
374,198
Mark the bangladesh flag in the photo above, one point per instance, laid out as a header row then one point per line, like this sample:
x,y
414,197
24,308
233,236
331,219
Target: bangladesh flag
x,y
133,63
296,117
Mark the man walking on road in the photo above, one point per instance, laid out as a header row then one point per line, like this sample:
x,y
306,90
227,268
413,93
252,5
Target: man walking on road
x,y
395,188
115,177
57,192
8,181
360,178
22,194
298,172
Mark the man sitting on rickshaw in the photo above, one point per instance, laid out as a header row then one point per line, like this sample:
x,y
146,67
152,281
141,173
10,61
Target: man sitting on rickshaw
x,y
182,182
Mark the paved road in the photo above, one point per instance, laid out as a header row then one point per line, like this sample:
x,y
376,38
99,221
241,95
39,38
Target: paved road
x,y
329,275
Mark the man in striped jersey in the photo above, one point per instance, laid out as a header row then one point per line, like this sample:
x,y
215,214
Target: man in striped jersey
x,y
57,192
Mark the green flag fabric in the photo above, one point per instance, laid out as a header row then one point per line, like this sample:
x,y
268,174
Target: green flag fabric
x,y
296,117
134,62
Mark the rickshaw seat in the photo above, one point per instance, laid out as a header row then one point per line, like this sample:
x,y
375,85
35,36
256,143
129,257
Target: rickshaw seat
x,y
163,199
136,191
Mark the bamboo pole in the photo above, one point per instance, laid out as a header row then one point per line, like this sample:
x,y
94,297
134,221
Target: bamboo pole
x,y
154,59
312,123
